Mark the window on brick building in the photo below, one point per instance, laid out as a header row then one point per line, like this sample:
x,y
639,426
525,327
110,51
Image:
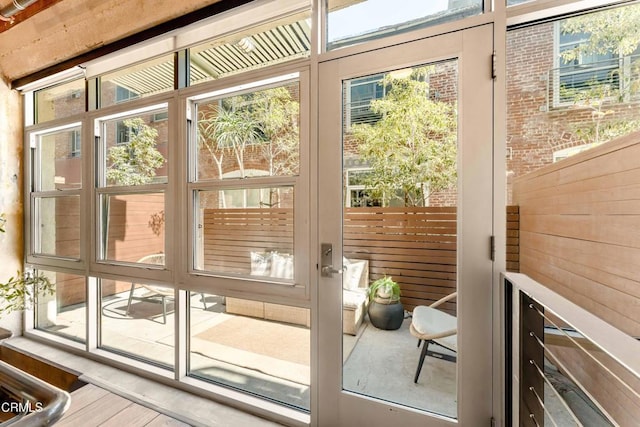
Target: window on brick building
x,y
357,194
360,93
609,71
584,72
75,143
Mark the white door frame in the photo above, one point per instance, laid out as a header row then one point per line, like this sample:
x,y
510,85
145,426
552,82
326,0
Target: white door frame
x,y
473,49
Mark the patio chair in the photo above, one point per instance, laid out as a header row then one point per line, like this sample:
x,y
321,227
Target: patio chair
x,y
153,291
432,325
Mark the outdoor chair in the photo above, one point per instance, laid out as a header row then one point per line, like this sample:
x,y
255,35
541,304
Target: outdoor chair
x,y
432,325
153,291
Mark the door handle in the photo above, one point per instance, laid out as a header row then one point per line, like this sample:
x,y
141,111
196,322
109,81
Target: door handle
x,y
326,261
328,271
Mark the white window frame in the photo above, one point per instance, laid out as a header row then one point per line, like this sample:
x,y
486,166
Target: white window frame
x,y
253,287
99,265
34,193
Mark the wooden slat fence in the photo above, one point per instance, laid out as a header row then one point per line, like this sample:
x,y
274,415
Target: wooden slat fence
x,y
414,245
230,235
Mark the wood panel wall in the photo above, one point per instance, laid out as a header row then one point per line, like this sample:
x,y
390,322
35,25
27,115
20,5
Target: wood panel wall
x,y
580,230
580,236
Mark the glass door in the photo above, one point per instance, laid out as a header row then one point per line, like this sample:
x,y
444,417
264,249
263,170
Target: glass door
x,y
405,225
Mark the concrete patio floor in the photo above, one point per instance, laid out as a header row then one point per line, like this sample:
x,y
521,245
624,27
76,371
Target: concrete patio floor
x,y
379,364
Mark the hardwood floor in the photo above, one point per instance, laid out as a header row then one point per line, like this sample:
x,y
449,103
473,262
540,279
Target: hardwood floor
x,y
94,406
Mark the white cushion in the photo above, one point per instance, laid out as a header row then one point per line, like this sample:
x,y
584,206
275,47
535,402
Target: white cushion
x,y
430,321
353,274
260,263
281,266
353,299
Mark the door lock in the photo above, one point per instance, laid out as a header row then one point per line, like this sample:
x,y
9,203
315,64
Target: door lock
x,y
326,261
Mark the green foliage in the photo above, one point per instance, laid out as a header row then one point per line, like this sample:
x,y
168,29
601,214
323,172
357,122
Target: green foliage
x,y
18,293
234,130
412,148
384,289
614,30
267,119
135,162
277,114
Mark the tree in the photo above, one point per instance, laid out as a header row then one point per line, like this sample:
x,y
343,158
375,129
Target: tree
x,y
614,31
278,114
266,120
412,148
234,129
136,162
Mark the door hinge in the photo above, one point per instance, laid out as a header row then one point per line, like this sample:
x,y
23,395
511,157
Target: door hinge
x,y
492,247
494,66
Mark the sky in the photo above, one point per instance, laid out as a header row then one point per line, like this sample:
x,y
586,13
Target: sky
x,y
371,14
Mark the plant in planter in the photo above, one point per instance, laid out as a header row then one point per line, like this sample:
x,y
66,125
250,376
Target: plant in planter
x,y
385,309
18,293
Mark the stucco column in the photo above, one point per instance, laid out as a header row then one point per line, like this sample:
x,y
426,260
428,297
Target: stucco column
x,y
11,200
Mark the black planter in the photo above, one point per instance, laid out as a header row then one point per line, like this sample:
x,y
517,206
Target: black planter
x,y
386,316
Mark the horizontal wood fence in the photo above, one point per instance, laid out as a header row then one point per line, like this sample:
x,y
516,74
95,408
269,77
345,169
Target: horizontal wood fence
x,y
417,246
414,245
580,236
230,235
580,230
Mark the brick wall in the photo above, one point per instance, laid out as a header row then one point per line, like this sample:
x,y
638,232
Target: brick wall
x,y
535,127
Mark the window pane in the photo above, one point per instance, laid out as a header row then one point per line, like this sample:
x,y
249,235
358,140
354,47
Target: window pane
x,y
138,81
59,164
133,227
587,96
135,149
138,320
253,346
64,312
254,134
279,42
57,226
60,101
246,232
360,94
370,19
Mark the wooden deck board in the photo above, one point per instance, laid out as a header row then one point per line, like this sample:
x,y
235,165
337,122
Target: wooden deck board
x,y
95,406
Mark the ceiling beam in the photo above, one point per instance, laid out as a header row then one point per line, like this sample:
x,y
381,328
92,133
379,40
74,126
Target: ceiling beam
x,y
27,13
